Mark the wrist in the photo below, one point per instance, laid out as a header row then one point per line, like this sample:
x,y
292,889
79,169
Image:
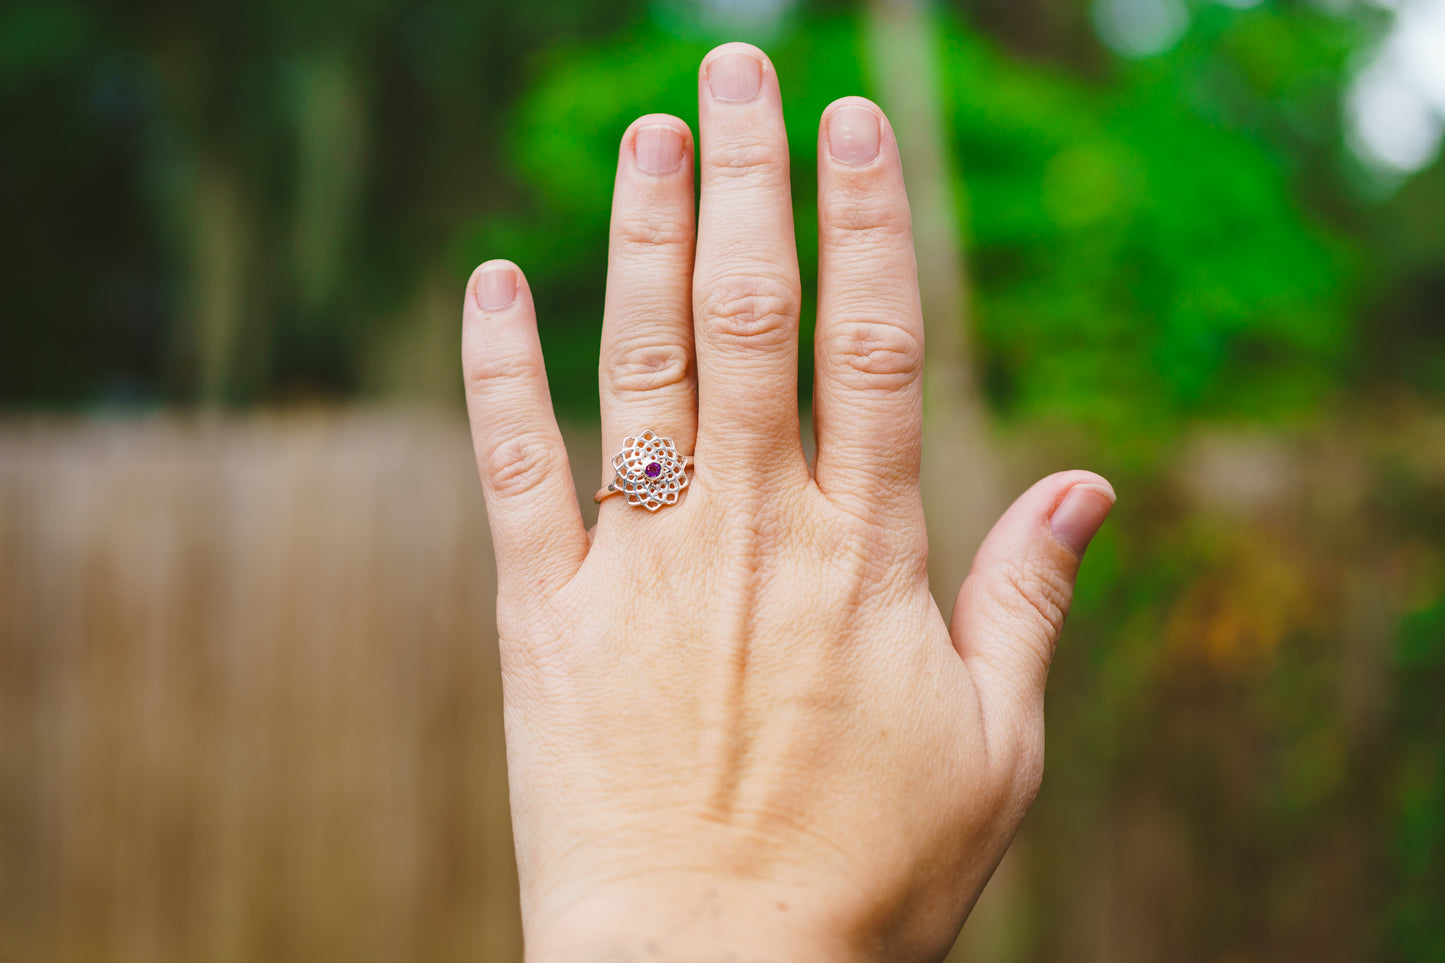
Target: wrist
x,y
694,920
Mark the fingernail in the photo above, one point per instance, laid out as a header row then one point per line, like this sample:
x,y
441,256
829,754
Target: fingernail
x,y
854,135
497,287
659,149
735,77
1080,514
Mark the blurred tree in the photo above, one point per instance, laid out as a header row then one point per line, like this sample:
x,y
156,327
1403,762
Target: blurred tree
x,y
1142,253
268,196
269,202
1143,248
907,73
257,187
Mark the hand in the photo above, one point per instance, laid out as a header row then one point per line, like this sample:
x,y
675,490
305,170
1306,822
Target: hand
x,y
740,724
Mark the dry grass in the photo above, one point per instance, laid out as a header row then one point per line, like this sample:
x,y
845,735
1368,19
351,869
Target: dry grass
x,y
249,699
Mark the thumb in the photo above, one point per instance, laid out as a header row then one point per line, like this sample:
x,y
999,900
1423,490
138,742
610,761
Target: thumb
x,y
1010,611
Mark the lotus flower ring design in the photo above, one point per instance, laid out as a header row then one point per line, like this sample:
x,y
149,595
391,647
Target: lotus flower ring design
x,y
649,470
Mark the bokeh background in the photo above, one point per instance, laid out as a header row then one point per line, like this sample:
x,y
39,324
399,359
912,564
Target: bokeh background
x,y
248,683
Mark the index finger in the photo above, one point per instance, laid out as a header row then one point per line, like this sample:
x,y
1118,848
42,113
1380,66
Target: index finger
x,y
868,391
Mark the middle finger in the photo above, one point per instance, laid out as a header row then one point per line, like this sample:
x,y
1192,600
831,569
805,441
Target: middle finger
x,y
746,291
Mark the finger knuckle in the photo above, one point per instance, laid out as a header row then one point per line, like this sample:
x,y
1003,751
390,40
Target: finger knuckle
x,y
1034,593
859,545
875,355
638,365
644,234
887,548
732,158
485,371
516,465
758,309
868,222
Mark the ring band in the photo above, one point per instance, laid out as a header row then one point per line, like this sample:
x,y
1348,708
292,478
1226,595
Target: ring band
x,y
649,470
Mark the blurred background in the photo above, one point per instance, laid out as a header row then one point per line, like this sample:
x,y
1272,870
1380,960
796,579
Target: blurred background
x,y
249,705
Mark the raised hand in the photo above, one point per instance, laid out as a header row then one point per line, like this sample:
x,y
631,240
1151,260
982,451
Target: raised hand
x,y
739,724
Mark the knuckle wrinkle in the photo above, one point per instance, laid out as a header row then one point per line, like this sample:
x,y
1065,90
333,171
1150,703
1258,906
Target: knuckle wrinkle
x,y
1037,595
644,233
755,309
484,369
517,465
646,366
876,354
869,223
734,159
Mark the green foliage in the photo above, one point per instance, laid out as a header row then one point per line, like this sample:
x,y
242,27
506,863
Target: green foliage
x,y
1418,851
41,39
1148,241
1137,256
1148,244
563,141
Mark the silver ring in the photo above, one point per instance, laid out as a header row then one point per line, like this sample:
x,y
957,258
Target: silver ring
x,y
649,470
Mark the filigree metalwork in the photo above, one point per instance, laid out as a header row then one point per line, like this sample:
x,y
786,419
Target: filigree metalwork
x,y
650,470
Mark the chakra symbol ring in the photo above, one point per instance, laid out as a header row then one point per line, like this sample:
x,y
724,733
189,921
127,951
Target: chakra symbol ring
x,y
650,471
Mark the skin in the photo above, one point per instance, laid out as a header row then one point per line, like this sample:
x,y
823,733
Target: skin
x,y
740,728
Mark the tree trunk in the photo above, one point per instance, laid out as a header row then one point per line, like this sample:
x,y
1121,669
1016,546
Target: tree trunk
x,y
961,487
960,477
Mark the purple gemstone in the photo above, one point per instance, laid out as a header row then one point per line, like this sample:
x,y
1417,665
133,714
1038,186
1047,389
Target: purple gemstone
x,y
653,470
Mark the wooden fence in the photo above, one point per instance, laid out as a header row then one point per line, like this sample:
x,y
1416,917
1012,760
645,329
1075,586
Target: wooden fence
x,y
249,696
250,705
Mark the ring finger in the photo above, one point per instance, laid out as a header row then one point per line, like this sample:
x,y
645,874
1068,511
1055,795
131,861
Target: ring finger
x,y
646,373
